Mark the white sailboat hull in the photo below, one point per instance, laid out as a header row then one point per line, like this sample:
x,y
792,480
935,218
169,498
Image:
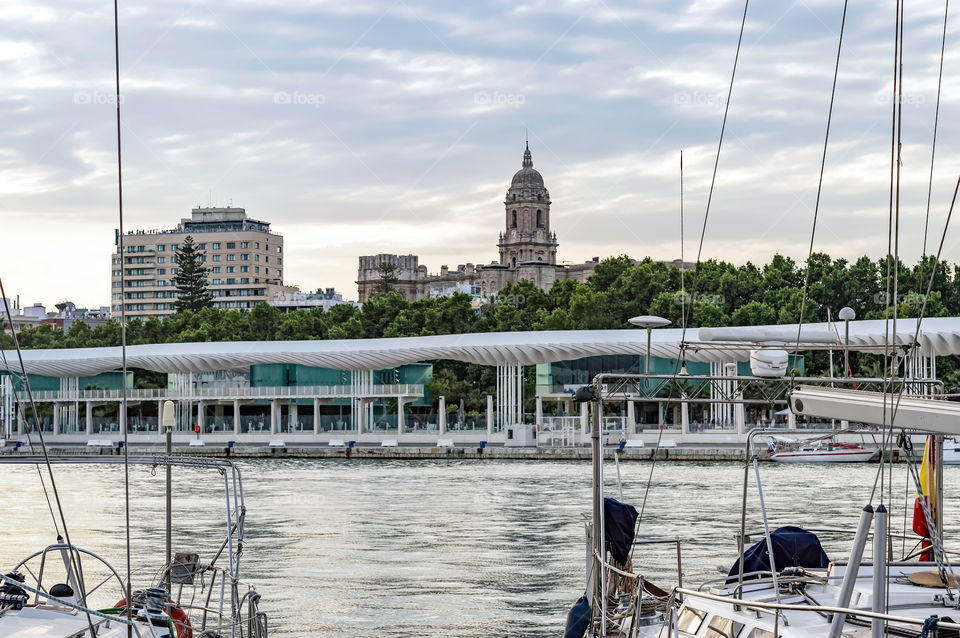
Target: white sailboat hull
x,y
825,456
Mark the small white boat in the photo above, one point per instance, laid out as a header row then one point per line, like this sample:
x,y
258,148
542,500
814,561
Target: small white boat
x,y
821,451
951,452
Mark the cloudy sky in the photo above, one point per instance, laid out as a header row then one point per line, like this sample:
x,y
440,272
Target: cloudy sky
x,y
375,126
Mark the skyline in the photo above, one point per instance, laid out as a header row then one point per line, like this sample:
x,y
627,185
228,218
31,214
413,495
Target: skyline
x,y
394,127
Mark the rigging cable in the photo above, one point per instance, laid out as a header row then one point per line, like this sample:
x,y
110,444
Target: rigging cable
x,y
71,552
716,162
123,318
23,417
823,163
936,121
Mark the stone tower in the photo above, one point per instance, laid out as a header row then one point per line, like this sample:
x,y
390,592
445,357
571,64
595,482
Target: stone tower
x,y
527,237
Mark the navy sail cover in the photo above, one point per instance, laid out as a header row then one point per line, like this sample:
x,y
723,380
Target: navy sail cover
x,y
620,521
792,547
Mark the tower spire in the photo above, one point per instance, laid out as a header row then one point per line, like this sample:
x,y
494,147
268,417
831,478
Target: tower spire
x,y
527,157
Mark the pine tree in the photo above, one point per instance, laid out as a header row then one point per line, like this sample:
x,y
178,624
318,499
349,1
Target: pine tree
x,y
388,278
193,292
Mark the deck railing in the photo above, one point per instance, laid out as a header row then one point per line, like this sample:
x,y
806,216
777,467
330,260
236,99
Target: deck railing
x,y
221,393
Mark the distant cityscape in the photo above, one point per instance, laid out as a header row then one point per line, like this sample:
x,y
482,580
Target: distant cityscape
x,y
245,258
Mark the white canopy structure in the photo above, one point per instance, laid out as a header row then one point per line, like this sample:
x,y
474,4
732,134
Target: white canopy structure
x,y
938,337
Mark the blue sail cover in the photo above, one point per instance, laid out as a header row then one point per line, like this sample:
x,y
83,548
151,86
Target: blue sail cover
x,y
620,521
792,547
578,619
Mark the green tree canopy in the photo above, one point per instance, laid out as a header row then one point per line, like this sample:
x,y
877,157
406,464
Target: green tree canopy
x,y
193,291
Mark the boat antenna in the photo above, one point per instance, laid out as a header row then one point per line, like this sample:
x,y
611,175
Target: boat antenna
x,y
123,318
716,162
823,164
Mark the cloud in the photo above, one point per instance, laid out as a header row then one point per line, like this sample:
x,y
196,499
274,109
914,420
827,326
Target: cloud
x,y
394,126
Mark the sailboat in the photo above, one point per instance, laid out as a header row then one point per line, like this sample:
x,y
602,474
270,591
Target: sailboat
x,y
821,450
785,585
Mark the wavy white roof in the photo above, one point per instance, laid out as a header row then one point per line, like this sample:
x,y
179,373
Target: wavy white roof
x,y
940,336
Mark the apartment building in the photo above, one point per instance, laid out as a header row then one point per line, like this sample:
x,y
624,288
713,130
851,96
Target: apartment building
x,y
244,258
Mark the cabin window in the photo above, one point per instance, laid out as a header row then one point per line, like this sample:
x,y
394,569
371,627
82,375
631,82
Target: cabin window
x,y
690,619
721,627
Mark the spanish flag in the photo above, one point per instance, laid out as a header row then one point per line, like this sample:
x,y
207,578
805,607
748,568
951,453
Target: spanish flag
x,y
928,485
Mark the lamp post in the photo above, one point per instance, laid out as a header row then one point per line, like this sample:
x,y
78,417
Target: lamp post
x,y
649,322
168,421
847,315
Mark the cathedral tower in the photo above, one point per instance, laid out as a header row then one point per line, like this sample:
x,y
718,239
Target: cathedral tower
x,y
527,237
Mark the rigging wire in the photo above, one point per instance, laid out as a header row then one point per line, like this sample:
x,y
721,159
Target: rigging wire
x,y
823,163
936,121
716,162
23,417
123,317
71,552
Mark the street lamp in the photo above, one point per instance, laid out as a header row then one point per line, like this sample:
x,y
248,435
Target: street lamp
x,y
847,315
649,322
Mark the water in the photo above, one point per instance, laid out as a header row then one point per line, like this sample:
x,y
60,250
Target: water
x,y
422,548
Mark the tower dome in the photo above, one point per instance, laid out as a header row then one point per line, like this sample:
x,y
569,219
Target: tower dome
x,y
528,176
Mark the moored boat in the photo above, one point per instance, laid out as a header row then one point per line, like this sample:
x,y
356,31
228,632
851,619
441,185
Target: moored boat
x,y
819,451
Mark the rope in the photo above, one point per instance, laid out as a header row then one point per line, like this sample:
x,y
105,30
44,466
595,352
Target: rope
x,y
936,121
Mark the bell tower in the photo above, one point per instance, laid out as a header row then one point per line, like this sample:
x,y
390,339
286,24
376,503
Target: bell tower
x,y
527,235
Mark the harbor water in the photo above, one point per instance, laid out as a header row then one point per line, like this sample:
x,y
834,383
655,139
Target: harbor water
x,y
434,548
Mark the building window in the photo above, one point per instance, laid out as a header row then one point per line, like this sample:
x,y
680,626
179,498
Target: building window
x,y
161,271
256,257
161,260
201,246
231,245
267,258
279,249
217,282
244,244
513,223
279,260
231,257
244,280
216,245
266,271
216,269
256,269
245,257
256,245
231,268
175,271
161,247
216,257
244,268
174,247
539,196
539,218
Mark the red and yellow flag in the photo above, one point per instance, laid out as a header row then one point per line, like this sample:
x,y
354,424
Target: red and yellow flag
x,y
929,495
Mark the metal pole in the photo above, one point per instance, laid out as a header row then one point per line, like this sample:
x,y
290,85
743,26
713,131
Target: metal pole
x,y
853,569
879,570
597,460
646,365
938,484
846,347
766,532
167,420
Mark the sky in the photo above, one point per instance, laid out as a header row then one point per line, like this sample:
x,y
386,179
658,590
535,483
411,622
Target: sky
x,y
394,126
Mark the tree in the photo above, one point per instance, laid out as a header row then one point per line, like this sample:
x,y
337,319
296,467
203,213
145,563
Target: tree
x,y
388,278
193,292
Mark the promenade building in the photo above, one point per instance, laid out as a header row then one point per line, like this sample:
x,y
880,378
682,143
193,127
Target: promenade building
x,y
527,248
244,257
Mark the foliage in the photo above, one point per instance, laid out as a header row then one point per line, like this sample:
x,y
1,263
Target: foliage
x,y
715,294
387,278
193,292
